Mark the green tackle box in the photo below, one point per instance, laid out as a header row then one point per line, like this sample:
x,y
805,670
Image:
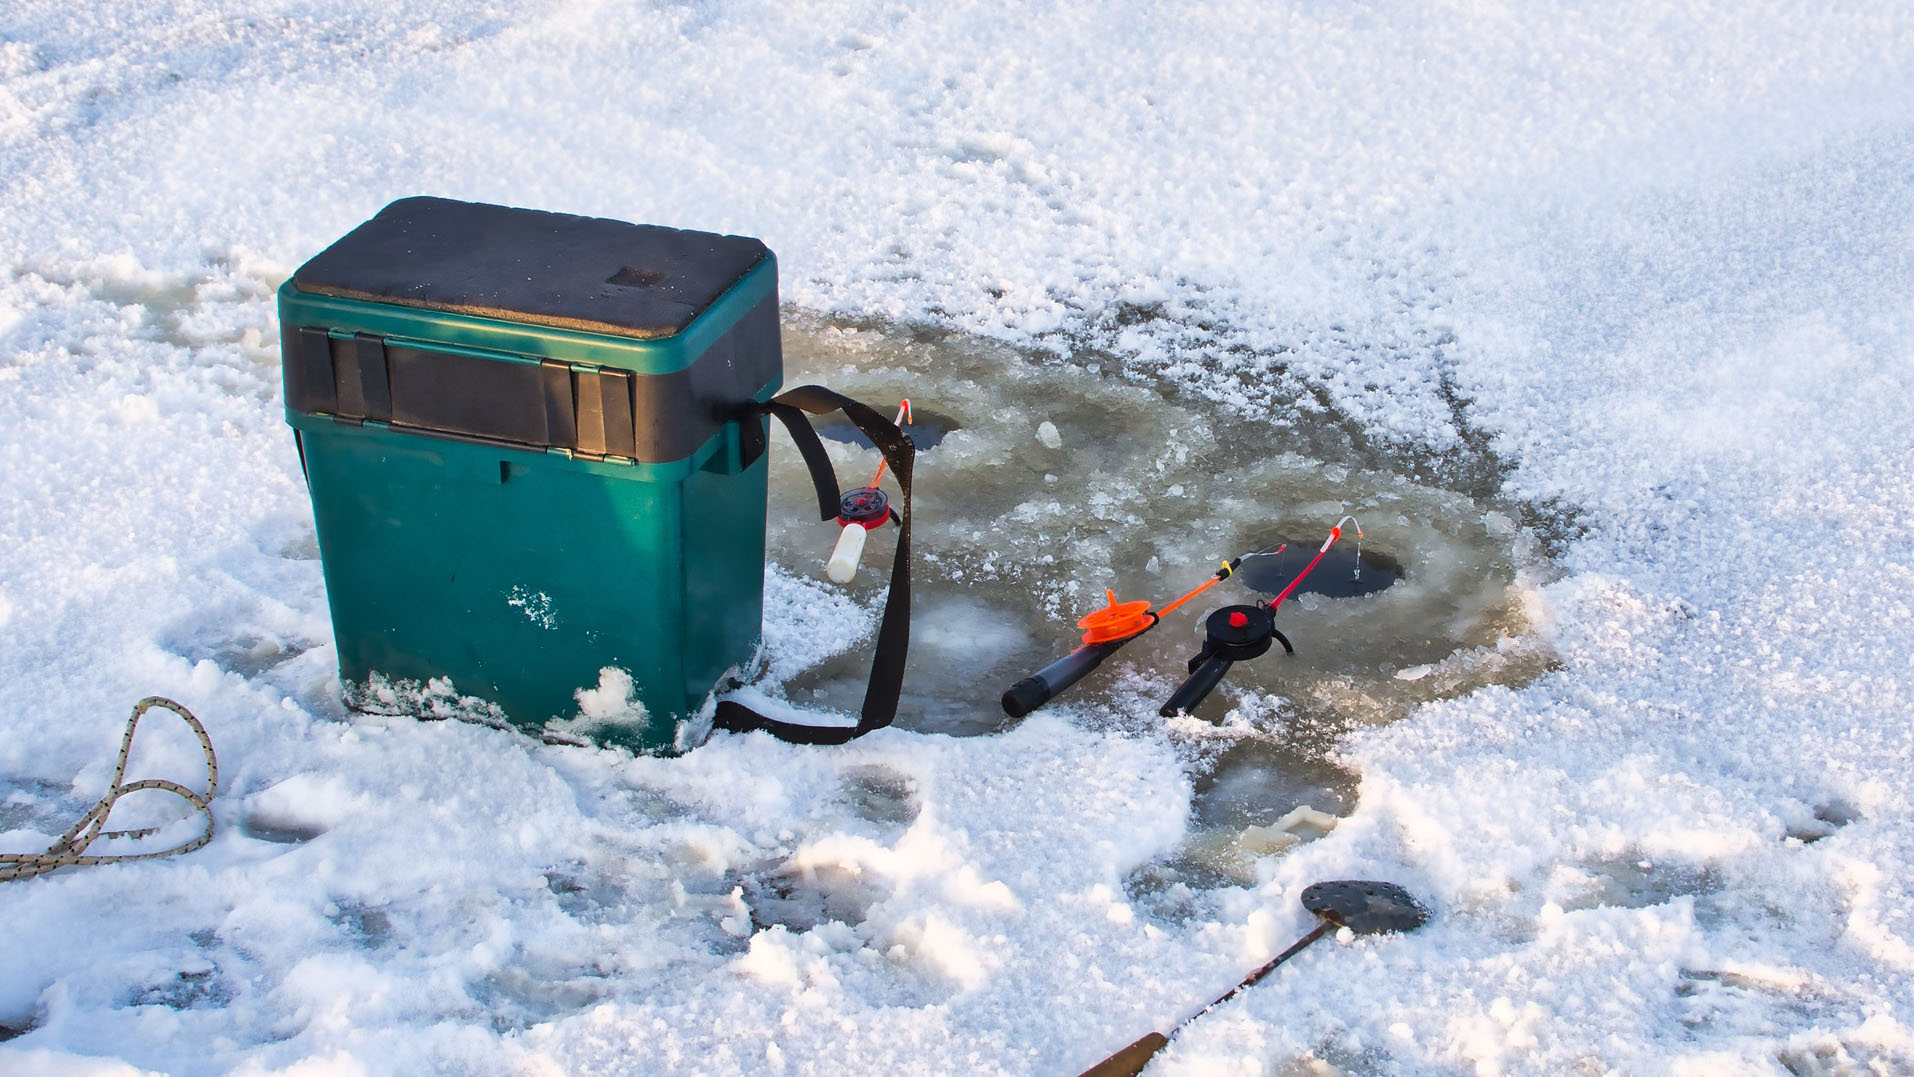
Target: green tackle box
x,y
534,498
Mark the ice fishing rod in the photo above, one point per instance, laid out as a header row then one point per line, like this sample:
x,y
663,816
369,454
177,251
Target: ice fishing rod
x,y
1363,906
1239,633
860,512
1105,632
1247,632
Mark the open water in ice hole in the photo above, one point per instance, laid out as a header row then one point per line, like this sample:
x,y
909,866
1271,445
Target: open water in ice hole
x,y
1018,533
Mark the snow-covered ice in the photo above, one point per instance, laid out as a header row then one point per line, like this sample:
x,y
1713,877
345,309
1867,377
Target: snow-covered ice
x,y
1635,282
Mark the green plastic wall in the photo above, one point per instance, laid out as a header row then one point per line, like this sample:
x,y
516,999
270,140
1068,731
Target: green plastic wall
x,y
520,576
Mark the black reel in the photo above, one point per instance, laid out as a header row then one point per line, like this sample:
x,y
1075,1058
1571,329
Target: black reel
x,y
1232,634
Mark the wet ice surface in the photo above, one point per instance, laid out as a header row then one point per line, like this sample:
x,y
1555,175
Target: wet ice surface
x,y
1039,485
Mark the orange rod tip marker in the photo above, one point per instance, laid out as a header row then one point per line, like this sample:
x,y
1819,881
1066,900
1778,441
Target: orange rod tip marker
x,y
903,419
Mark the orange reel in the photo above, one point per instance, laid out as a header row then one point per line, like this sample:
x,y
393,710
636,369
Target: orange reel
x,y
1116,620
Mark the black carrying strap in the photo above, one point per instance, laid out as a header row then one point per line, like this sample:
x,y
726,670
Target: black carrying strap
x,y
893,632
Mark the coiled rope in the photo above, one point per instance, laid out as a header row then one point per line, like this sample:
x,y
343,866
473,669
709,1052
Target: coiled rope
x,y
70,849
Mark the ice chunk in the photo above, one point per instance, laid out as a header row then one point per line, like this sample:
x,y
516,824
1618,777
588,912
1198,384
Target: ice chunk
x,y
1265,840
613,704
1301,824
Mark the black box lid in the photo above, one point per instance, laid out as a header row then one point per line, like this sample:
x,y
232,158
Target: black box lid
x,y
520,265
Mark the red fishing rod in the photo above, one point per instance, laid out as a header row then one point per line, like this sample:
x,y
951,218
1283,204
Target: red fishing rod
x,y
1239,633
860,512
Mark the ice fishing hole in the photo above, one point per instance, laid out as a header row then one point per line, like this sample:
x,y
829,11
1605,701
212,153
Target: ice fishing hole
x,y
1342,573
1255,798
928,427
1016,540
1054,480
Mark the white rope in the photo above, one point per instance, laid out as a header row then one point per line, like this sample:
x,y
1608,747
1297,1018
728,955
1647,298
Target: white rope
x,y
70,849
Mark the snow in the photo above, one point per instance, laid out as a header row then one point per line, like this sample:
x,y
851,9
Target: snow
x,y
1645,272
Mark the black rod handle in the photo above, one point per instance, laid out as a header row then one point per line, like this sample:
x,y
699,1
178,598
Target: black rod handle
x,y
1202,682
1045,684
